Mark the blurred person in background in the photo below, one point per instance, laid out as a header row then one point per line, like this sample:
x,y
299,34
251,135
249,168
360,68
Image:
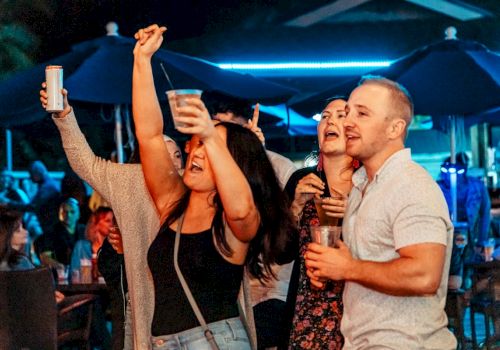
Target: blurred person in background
x,y
111,264
473,209
101,223
74,187
9,191
13,237
472,196
226,108
55,247
45,203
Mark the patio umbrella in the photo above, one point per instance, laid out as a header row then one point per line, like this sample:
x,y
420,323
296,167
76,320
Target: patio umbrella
x,y
450,79
100,71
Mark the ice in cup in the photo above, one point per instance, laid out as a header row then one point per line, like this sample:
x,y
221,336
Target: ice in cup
x,y
177,98
325,220
326,235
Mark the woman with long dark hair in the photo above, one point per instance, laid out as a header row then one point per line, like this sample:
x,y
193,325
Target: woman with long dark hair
x,y
13,237
228,208
317,312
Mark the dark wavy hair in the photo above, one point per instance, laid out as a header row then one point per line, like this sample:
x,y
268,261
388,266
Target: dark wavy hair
x,y
9,222
276,236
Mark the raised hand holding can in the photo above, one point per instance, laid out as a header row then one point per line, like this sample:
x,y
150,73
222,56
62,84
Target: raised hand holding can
x,y
54,81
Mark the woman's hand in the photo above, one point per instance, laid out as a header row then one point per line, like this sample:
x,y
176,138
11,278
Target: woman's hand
x,y
307,188
149,40
59,296
115,239
334,207
196,119
252,125
43,100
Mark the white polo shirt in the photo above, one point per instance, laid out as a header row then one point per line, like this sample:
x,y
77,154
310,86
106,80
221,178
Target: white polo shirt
x,y
402,206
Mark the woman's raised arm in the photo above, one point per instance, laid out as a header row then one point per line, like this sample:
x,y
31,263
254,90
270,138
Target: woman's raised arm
x,y
240,211
162,179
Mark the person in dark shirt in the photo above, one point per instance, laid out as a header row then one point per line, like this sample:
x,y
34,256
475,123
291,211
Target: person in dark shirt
x,y
46,201
111,265
56,246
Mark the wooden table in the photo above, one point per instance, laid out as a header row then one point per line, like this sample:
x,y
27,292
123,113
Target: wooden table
x,y
82,288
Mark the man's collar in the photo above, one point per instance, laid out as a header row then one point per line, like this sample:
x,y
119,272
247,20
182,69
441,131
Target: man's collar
x,y
360,177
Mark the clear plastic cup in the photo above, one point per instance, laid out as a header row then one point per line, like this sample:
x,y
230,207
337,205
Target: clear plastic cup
x,y
177,98
75,276
327,236
62,274
489,247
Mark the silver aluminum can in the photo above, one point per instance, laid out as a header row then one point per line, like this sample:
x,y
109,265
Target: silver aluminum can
x,y
54,80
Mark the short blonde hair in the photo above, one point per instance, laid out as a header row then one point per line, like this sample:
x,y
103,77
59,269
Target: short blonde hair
x,y
400,97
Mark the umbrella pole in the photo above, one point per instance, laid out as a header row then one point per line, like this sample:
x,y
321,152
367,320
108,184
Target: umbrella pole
x,y
453,175
118,133
8,148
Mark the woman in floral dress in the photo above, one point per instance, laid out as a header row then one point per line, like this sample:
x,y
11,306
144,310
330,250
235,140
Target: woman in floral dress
x,y
317,312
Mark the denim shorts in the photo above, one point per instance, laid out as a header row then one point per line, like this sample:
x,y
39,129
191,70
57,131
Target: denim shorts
x,y
229,335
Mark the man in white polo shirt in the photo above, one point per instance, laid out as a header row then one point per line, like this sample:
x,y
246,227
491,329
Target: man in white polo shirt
x,y
397,233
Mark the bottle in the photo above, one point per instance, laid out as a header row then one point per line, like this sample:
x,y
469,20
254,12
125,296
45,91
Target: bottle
x,y
95,270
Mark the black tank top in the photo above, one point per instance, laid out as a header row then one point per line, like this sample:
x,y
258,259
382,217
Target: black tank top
x,y
214,282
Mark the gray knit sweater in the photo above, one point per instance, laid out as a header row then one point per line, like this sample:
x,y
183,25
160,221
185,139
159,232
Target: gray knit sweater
x,y
123,186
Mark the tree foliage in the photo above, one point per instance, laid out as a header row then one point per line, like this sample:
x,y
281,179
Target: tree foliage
x,y
18,41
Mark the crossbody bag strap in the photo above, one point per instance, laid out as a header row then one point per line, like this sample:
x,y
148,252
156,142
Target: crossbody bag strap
x,y
208,333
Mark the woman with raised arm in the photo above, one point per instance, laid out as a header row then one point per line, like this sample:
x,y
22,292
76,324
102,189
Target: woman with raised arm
x,y
228,208
122,185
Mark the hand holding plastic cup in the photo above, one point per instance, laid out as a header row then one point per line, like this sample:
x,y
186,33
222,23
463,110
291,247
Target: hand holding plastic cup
x,y
327,236
177,98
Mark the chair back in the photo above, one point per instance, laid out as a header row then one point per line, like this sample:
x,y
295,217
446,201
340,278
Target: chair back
x,y
28,312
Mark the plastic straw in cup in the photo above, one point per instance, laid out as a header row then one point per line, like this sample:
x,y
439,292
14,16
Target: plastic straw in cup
x,y
166,76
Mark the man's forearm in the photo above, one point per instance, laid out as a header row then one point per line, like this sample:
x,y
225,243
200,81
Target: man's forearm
x,y
391,277
413,274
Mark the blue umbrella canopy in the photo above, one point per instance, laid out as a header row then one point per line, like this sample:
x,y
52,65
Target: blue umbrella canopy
x,y
19,93
100,71
451,77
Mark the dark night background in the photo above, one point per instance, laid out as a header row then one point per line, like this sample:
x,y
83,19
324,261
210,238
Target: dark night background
x,y
221,31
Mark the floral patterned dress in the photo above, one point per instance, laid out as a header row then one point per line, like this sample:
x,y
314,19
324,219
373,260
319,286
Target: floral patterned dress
x,y
316,321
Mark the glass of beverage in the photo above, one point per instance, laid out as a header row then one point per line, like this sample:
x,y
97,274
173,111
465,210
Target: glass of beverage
x,y
324,219
489,247
75,276
62,274
327,236
177,98
86,270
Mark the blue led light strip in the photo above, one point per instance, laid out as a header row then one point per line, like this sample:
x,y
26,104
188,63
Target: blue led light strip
x,y
304,65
